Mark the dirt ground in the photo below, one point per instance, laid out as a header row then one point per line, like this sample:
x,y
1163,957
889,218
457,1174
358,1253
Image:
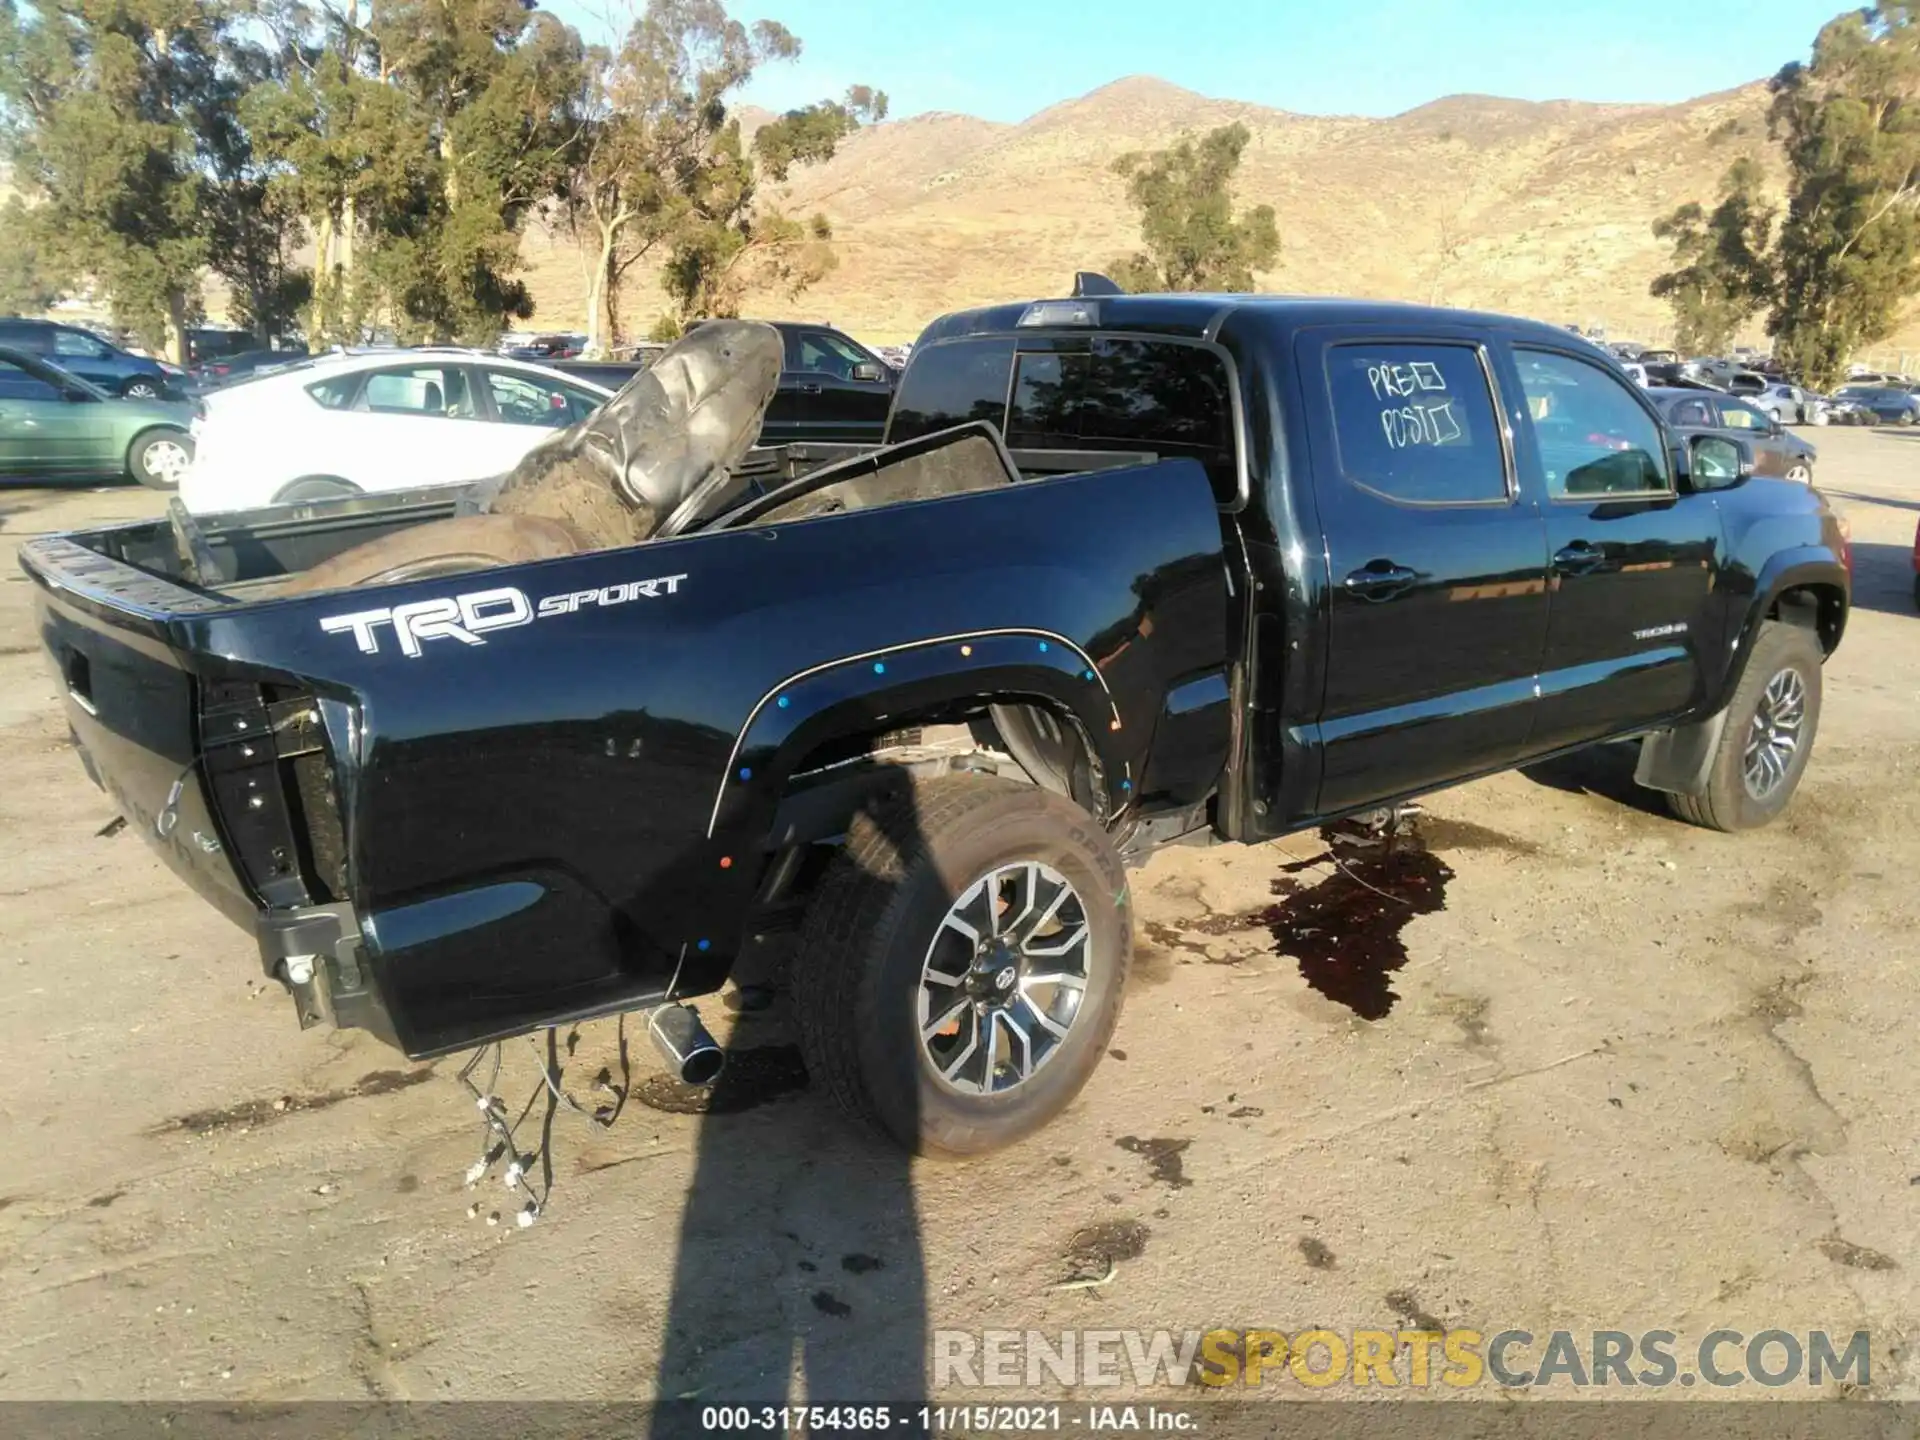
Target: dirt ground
x,y
1589,1068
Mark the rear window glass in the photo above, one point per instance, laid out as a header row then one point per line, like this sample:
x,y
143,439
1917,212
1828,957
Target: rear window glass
x,y
1132,393
950,384
1415,423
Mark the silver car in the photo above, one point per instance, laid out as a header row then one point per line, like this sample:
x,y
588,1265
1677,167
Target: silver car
x,y
1790,405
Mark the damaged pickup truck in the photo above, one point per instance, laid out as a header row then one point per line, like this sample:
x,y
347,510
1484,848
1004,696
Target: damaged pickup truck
x,y
1130,570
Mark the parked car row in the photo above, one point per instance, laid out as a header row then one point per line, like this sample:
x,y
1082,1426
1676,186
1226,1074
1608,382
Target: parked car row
x,y
280,425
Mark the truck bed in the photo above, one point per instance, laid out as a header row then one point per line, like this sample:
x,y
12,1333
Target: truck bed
x,y
335,770
251,554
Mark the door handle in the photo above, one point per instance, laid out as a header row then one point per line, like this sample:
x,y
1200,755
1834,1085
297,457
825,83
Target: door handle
x,y
1578,558
1380,580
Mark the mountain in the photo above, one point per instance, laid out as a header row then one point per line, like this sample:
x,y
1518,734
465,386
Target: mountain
x,y
1543,209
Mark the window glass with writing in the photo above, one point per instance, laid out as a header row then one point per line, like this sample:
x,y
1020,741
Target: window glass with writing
x,y
1415,423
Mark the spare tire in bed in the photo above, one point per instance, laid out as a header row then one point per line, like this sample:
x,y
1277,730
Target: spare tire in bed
x,y
446,547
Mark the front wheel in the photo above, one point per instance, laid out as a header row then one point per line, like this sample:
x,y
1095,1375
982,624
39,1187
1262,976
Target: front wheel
x,y
1800,471
1768,735
159,458
961,968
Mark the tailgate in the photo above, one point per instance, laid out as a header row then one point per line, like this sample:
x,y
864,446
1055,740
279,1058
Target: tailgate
x,y
151,734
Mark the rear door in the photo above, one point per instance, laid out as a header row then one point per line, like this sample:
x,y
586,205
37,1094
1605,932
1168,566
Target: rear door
x,y
525,409
1631,620
1436,559
421,424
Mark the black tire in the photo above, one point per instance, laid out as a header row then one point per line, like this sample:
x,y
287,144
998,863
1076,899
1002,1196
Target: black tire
x,y
155,458
446,547
868,933
315,487
141,388
1729,802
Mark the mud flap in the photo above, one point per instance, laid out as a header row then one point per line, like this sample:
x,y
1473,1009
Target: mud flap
x,y
1677,760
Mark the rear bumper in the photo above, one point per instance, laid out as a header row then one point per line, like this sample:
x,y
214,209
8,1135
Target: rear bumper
x,y
317,952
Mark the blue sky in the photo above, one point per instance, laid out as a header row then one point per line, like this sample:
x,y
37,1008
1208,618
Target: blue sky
x,y
1006,59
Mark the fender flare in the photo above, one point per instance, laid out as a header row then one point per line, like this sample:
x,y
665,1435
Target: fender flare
x,y
1786,570
859,692
1676,760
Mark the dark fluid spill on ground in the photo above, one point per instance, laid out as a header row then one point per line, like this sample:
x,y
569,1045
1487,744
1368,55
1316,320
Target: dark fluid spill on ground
x,y
1163,1157
1345,929
1092,1249
253,1114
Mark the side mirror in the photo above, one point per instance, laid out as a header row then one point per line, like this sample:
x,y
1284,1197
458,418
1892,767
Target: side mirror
x,y
1717,462
74,395
868,371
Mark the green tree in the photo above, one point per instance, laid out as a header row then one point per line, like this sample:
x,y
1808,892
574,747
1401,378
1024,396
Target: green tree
x,y
252,232
650,112
97,99
493,81
26,286
1721,265
731,244
344,152
1849,248
1185,198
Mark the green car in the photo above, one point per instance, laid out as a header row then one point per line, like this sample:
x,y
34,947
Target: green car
x,y
56,426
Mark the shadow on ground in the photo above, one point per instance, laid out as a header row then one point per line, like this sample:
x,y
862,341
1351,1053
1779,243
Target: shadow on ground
x,y
1883,578
1605,772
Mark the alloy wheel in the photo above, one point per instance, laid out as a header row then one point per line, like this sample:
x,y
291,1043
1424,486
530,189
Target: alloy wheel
x,y
1003,978
1773,735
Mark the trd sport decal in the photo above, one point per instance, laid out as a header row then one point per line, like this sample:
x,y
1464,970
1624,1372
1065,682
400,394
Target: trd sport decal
x,y
468,617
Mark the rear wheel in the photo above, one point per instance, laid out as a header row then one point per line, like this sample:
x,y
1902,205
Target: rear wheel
x,y
141,388
158,458
1768,735
960,970
446,547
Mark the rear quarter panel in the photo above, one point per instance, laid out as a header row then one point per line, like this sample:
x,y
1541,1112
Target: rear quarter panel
x,y
569,813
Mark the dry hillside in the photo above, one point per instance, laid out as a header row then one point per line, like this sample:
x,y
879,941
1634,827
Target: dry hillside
x,y
1542,209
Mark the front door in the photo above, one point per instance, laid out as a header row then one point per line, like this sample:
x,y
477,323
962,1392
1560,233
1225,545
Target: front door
x,y
834,390
1631,621
1436,563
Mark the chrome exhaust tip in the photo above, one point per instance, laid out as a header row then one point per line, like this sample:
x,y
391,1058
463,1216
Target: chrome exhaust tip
x,y
683,1042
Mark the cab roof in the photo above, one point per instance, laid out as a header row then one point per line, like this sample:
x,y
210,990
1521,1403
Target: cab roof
x,y
1202,316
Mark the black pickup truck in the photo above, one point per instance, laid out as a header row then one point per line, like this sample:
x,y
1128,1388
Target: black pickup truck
x,y
1217,567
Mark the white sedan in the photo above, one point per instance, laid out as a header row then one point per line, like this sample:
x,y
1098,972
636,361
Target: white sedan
x,y
346,424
